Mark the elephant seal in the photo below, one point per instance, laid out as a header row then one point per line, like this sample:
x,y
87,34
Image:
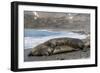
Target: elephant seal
x,y
57,45
86,43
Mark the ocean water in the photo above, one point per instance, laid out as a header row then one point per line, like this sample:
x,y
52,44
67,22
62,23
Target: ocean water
x,y
34,37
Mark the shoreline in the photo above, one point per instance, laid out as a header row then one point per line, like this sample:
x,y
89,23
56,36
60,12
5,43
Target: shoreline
x,y
63,30
35,41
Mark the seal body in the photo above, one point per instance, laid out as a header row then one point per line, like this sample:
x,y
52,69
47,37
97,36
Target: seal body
x,y
57,45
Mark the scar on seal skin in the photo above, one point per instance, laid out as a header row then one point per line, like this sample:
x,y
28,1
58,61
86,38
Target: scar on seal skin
x,y
57,45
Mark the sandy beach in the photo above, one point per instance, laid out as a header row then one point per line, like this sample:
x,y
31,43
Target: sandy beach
x,y
62,56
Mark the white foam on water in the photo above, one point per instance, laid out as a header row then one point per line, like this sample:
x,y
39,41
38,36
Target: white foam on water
x,y
30,42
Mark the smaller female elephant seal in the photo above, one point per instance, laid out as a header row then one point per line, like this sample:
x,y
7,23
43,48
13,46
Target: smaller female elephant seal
x,y
57,45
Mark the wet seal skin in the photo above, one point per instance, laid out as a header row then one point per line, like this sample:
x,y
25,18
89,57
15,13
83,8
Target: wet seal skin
x,y
57,45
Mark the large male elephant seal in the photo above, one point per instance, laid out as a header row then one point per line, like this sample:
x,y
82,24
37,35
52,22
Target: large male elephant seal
x,y
57,45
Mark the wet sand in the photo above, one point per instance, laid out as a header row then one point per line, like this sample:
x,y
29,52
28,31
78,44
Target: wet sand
x,y
62,56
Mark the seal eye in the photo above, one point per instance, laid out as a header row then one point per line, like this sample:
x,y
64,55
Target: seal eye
x,y
30,54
